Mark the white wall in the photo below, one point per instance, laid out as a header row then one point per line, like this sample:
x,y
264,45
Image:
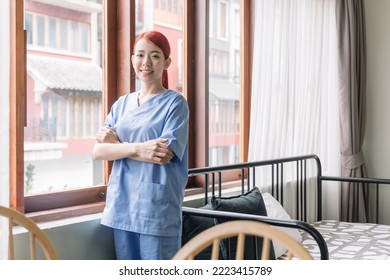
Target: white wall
x,y
4,119
4,102
74,239
377,135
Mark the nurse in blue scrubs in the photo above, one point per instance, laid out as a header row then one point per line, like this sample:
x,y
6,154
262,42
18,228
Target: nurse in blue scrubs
x,y
146,135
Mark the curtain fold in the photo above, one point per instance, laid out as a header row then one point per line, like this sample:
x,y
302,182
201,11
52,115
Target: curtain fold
x,y
350,24
294,103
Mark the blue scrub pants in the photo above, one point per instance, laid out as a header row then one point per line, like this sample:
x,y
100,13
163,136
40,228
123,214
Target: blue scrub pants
x,y
134,246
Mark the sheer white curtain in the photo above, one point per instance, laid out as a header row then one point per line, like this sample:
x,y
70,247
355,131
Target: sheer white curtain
x,y
295,85
4,121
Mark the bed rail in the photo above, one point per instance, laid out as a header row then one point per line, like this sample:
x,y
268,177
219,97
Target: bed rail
x,y
367,185
213,180
213,183
282,223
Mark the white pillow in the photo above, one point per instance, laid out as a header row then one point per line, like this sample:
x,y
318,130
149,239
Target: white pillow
x,y
276,211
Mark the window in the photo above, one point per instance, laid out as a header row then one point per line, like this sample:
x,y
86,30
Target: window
x,y
53,161
84,40
28,25
219,62
51,32
64,32
223,21
40,40
224,95
58,138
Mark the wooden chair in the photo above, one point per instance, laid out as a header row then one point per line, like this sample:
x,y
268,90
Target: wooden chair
x,y
35,233
241,229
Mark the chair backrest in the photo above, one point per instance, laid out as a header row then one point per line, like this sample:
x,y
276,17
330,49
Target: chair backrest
x,y
240,229
35,234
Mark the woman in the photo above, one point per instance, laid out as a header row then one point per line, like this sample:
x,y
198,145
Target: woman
x,y
146,134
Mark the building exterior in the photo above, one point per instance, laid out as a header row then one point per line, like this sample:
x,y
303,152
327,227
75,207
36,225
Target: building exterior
x,y
224,81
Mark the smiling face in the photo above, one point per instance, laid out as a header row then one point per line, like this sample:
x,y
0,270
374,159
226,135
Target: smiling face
x,y
149,62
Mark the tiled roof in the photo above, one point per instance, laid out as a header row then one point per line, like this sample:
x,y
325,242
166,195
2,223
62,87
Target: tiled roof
x,y
65,74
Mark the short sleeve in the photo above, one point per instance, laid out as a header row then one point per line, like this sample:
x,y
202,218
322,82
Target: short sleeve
x,y
176,126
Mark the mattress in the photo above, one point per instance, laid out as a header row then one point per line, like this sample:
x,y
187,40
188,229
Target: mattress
x,y
351,241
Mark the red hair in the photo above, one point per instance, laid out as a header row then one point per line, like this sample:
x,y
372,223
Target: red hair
x,y
158,39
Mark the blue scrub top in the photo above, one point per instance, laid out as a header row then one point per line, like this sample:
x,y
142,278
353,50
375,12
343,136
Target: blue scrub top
x,y
145,197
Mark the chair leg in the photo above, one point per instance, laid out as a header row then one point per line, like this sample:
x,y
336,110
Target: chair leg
x,y
11,254
266,248
215,251
240,246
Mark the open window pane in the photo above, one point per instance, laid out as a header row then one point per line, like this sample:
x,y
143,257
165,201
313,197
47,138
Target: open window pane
x,y
64,95
224,81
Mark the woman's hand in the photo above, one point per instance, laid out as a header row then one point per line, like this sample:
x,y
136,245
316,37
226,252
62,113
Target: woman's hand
x,y
107,135
155,151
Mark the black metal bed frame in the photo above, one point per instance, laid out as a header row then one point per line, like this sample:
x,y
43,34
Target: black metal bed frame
x,y
213,185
